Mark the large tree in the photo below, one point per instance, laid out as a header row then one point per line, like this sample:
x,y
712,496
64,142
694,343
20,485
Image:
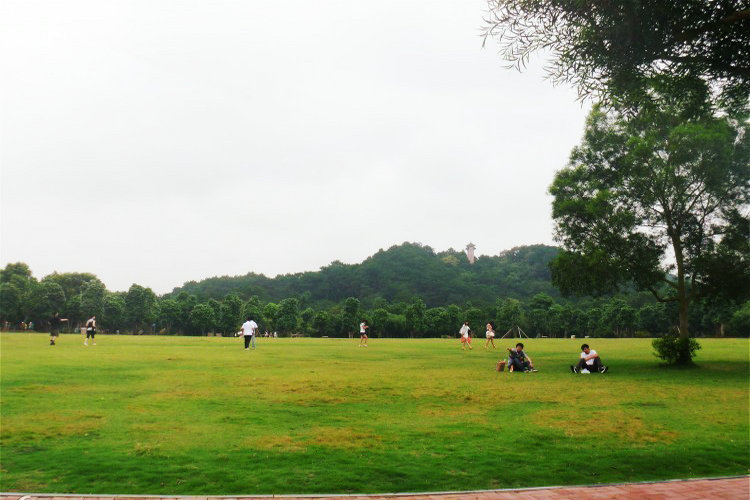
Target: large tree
x,y
658,200
141,306
609,48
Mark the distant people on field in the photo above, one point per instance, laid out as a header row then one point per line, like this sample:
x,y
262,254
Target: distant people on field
x,y
465,333
518,360
490,336
363,333
275,335
589,362
23,326
31,325
90,331
54,327
249,327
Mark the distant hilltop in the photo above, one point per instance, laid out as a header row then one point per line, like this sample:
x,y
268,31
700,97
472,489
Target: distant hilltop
x,y
400,273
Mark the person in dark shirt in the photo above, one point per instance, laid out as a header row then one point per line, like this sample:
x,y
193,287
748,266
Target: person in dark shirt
x,y
518,360
54,327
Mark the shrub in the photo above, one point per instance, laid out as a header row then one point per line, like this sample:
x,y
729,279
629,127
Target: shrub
x,y
676,350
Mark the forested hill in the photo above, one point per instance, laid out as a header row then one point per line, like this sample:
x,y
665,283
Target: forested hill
x,y
400,273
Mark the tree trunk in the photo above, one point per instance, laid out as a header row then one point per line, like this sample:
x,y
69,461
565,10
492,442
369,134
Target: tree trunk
x,y
683,317
682,297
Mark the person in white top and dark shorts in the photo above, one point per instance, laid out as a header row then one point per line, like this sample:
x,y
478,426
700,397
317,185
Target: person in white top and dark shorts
x,y
589,362
90,331
249,328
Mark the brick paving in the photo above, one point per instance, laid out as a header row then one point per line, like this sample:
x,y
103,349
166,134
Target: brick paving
x,y
735,488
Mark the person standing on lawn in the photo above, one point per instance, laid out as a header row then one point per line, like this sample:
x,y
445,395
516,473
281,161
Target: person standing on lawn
x,y
54,327
363,326
249,327
465,333
490,336
90,331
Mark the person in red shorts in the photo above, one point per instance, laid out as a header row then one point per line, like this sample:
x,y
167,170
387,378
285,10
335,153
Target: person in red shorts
x,y
465,333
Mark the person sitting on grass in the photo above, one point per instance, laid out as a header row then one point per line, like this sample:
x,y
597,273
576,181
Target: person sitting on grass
x,y
518,360
589,362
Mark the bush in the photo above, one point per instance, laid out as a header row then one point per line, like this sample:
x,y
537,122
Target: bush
x,y
676,350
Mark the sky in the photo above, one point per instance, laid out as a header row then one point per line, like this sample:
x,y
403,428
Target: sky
x,y
162,142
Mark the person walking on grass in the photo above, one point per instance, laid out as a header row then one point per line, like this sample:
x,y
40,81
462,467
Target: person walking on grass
x,y
518,360
249,327
589,362
363,326
54,327
90,331
465,333
490,336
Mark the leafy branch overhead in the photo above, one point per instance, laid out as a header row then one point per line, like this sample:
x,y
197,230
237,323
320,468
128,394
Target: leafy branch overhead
x,y
612,50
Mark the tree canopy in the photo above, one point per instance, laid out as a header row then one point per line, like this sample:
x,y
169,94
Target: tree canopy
x,y
613,50
658,199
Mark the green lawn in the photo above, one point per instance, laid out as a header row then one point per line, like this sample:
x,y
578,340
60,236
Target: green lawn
x,y
186,415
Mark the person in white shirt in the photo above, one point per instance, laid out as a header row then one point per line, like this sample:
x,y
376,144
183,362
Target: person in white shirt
x,y
363,334
589,362
90,331
465,333
490,336
249,328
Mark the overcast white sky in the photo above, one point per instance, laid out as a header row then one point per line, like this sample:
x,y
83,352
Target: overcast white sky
x,y
157,142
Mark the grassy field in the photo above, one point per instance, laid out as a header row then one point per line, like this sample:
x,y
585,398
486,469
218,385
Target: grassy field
x,y
179,415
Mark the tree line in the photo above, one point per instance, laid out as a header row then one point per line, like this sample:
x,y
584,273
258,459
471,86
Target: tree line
x,y
78,296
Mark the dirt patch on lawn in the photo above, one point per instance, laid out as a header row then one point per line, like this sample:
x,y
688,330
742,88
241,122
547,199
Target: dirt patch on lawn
x,y
625,425
329,437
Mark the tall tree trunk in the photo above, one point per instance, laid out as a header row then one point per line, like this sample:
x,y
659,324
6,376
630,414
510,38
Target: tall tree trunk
x,y
682,296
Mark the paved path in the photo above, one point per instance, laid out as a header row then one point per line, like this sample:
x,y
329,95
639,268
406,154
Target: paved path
x,y
737,488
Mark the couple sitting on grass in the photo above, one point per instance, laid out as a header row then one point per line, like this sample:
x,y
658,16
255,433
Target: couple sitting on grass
x,y
519,361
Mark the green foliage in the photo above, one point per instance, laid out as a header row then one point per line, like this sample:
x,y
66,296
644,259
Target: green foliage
x,y
415,318
288,317
400,274
508,314
350,316
740,323
170,314
543,314
92,298
271,314
203,317
140,306
10,303
615,50
113,312
230,314
664,184
44,300
675,349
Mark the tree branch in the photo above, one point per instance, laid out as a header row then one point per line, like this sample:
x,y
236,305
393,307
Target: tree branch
x,y
658,298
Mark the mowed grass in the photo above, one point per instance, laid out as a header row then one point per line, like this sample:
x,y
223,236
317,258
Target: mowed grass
x,y
180,415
